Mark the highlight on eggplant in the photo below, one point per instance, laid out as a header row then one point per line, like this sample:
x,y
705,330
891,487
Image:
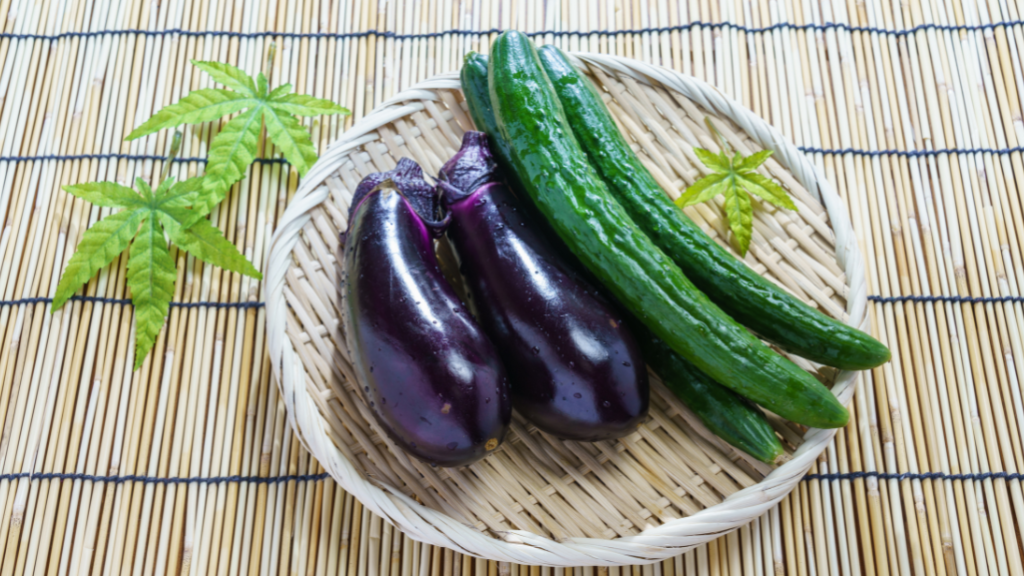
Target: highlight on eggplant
x,y
575,370
433,380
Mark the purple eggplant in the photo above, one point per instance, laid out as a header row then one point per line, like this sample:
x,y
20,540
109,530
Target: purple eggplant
x,y
433,380
575,370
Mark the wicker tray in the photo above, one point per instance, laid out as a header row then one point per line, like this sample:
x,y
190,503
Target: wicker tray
x,y
537,500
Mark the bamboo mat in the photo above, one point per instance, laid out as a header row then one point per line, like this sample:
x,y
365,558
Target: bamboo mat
x,y
913,110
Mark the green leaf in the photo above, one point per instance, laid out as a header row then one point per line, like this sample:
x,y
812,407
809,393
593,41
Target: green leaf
x,y
151,276
303,105
753,161
716,162
182,194
767,189
105,194
229,76
741,218
262,85
196,107
292,139
206,242
703,190
279,91
231,152
99,246
144,190
737,178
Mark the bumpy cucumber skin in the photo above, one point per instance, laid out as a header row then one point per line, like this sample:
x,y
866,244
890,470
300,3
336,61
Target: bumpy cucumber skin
x,y
724,412
568,192
741,292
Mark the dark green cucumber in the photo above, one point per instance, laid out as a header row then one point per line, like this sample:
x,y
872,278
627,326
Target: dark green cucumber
x,y
752,300
557,176
725,413
478,98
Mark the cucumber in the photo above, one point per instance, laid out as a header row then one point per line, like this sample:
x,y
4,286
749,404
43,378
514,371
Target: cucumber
x,y
752,300
568,192
478,98
731,417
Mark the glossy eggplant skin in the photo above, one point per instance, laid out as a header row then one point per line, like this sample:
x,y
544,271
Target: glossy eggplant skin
x,y
575,370
433,380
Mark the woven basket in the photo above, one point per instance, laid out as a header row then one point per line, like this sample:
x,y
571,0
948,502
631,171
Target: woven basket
x,y
666,488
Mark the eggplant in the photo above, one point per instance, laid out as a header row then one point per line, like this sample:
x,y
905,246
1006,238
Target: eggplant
x,y
432,378
575,370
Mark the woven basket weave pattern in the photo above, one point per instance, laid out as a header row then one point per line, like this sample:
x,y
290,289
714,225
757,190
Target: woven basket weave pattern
x,y
538,499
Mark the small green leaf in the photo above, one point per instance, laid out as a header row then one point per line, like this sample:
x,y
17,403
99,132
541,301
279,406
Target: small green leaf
x,y
703,190
231,152
279,91
753,161
262,85
196,107
716,162
229,76
105,194
303,105
144,190
741,219
767,189
292,139
738,179
206,242
182,194
151,276
100,244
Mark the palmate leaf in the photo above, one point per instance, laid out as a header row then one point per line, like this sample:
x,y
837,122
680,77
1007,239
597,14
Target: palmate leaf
x,y
737,178
236,146
151,275
99,246
292,139
196,107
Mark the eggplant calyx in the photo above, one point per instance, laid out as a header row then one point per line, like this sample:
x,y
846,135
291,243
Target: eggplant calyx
x,y
472,167
407,178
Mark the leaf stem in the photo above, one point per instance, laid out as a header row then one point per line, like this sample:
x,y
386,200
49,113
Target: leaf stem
x,y
271,53
171,155
721,139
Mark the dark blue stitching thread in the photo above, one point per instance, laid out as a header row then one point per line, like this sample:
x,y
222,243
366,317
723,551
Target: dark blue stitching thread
x,y
879,299
558,33
911,153
324,476
837,152
915,476
154,480
953,299
125,301
116,156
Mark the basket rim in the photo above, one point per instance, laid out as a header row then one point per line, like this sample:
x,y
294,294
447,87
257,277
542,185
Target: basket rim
x,y
434,527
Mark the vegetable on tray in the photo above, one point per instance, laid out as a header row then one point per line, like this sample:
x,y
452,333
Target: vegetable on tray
x,y
574,369
432,379
724,412
745,295
556,174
